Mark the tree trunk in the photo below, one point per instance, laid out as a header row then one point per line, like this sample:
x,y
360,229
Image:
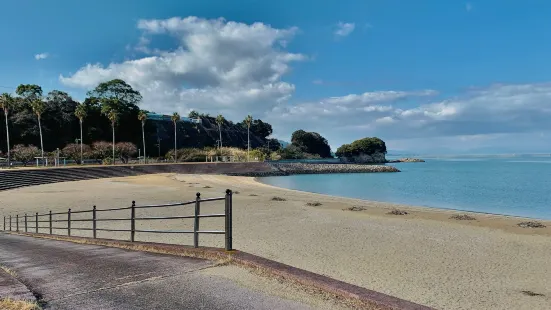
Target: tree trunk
x,y
143,138
248,142
41,142
174,141
7,136
220,131
113,125
81,152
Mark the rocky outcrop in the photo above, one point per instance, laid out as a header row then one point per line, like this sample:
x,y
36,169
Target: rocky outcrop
x,y
406,160
281,169
375,158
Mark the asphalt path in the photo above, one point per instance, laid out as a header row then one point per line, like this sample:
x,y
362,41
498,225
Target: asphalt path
x,y
67,275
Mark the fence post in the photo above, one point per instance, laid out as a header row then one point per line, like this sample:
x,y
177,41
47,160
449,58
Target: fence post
x,y
4,223
36,222
227,211
10,222
50,220
94,221
26,222
69,222
132,221
196,220
17,222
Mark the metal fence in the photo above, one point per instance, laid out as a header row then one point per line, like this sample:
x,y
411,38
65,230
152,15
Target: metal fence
x,y
32,223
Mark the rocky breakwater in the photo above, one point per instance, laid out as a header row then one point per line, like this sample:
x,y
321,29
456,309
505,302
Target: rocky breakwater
x,y
281,169
406,160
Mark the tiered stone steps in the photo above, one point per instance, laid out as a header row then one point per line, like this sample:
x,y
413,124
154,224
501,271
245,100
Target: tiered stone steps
x,y
11,179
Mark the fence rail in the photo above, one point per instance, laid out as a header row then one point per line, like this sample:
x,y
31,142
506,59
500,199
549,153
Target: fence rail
x,y
31,222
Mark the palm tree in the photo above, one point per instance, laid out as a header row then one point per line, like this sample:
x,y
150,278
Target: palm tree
x,y
112,115
80,113
38,107
142,116
248,121
220,121
6,102
175,118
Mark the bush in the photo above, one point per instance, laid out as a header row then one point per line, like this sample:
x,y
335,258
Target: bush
x,y
125,150
25,153
101,150
366,146
72,151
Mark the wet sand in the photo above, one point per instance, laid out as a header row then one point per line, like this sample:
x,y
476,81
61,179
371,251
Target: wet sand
x,y
423,256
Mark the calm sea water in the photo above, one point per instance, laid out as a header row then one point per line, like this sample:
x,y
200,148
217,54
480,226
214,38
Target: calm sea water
x,y
513,186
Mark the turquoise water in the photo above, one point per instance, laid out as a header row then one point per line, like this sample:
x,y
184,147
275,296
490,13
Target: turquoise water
x,y
513,186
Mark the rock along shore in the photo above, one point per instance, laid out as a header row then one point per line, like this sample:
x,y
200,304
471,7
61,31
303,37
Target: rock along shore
x,y
282,169
406,160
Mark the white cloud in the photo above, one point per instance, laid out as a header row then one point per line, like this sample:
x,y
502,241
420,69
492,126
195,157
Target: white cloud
x,y
41,56
495,110
344,29
219,67
238,69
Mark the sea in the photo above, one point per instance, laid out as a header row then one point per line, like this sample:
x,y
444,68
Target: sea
x,y
517,185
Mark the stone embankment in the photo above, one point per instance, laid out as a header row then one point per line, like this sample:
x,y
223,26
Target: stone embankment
x,y
406,160
313,168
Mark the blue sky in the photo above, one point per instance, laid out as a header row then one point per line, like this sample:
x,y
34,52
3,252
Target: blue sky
x,y
426,76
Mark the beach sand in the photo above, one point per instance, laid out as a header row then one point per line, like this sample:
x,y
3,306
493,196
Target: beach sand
x,y
424,256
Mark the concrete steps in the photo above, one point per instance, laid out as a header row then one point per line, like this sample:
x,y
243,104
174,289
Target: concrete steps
x,y
11,179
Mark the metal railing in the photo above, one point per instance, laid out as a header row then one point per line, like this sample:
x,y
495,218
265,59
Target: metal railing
x,y
32,222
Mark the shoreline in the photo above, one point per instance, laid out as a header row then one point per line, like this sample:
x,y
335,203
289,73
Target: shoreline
x,y
423,256
456,210
504,222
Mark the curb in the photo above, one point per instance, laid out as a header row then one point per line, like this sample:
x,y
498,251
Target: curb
x,y
360,297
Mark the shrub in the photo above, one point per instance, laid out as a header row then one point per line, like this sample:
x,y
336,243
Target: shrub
x,y
125,150
25,153
278,199
101,150
72,151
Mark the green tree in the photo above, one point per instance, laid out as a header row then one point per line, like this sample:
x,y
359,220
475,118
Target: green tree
x,y
367,146
219,121
261,129
38,107
248,121
311,142
194,114
112,115
143,118
81,113
6,103
175,119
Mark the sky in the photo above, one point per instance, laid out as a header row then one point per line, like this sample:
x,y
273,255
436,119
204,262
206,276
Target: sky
x,y
426,76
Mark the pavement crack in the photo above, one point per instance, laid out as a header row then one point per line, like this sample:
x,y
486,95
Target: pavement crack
x,y
110,287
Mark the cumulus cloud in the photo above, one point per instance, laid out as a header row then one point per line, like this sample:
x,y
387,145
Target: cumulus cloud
x,y
41,56
219,67
495,110
344,29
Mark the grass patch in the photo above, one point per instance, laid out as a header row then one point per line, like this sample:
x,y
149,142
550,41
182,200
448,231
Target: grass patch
x,y
206,186
397,212
462,217
314,204
531,224
356,208
10,304
530,293
253,195
236,192
276,198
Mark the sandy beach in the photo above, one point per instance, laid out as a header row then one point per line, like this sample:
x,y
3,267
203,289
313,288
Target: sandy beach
x,y
424,256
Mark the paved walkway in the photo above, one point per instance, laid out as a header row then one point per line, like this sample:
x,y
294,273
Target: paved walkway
x,y
77,276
